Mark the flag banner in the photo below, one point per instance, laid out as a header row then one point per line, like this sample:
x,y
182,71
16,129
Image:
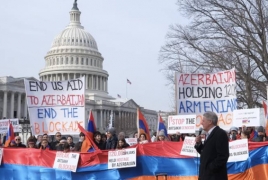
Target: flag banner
x,y
142,125
10,135
128,81
4,124
152,158
91,127
181,124
247,117
56,106
118,96
161,126
66,161
199,93
124,158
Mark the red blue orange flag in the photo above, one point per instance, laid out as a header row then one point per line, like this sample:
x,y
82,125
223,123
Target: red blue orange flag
x,y
88,144
91,127
161,126
265,107
10,135
142,125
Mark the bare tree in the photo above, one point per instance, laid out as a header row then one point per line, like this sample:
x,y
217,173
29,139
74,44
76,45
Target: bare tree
x,y
222,34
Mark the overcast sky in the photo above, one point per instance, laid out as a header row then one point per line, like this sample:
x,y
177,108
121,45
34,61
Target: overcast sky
x,y
129,35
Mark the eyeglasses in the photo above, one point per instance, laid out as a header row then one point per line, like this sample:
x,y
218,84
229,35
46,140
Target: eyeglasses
x,y
58,135
17,139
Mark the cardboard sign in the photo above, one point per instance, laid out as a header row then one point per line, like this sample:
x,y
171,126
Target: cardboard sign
x,y
247,117
188,147
56,106
66,161
4,124
122,158
181,123
200,93
238,150
131,141
1,154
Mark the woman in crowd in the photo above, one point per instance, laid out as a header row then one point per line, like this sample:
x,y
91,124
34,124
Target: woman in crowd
x,y
122,144
98,141
44,144
161,136
79,144
70,142
143,138
31,142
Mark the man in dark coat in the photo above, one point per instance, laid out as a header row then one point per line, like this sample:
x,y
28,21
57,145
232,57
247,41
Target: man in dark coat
x,y
111,142
215,150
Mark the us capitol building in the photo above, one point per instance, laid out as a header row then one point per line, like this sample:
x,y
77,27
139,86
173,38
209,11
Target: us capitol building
x,y
74,53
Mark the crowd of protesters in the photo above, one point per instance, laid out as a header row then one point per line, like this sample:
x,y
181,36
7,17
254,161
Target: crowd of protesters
x,y
110,140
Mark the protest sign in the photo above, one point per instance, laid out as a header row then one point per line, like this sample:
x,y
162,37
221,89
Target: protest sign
x,y
188,147
181,123
56,106
1,154
131,141
122,158
66,161
238,150
199,93
247,117
4,124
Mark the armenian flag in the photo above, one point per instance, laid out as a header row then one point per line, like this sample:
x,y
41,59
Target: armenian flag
x,y
10,135
91,127
142,125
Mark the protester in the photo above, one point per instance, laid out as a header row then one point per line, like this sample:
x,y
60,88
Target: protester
x,y
121,135
143,138
44,144
234,134
176,137
56,142
17,143
104,138
62,142
252,132
261,135
122,144
245,134
79,144
215,150
39,139
45,136
111,139
98,141
66,148
153,138
161,136
31,142
70,142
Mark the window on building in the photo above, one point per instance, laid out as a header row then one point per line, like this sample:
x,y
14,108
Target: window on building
x,y
90,62
82,61
72,60
76,62
87,61
66,60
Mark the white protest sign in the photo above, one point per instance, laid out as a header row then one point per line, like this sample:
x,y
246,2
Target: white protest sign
x,y
238,150
122,158
199,93
131,141
56,106
188,147
1,154
4,124
66,161
247,117
181,123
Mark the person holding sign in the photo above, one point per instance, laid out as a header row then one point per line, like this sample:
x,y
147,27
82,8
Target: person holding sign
x,y
214,153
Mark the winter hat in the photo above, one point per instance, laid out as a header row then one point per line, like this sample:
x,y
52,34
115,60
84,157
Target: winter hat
x,y
161,133
260,129
234,129
111,130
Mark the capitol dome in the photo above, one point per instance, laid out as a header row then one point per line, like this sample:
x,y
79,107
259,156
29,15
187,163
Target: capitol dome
x,y
73,54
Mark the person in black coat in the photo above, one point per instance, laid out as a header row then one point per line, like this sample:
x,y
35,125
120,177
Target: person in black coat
x,y
111,142
214,153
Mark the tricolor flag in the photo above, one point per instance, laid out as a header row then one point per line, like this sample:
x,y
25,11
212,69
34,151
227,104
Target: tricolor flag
x,y
265,107
161,126
128,81
142,125
118,95
88,144
10,135
91,127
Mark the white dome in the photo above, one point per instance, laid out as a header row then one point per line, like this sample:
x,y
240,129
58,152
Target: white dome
x,y
74,36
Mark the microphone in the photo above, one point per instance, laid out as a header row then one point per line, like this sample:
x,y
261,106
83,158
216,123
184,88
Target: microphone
x,y
200,131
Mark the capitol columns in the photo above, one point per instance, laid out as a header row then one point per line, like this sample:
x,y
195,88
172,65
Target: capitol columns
x,y
25,107
12,106
19,106
5,105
